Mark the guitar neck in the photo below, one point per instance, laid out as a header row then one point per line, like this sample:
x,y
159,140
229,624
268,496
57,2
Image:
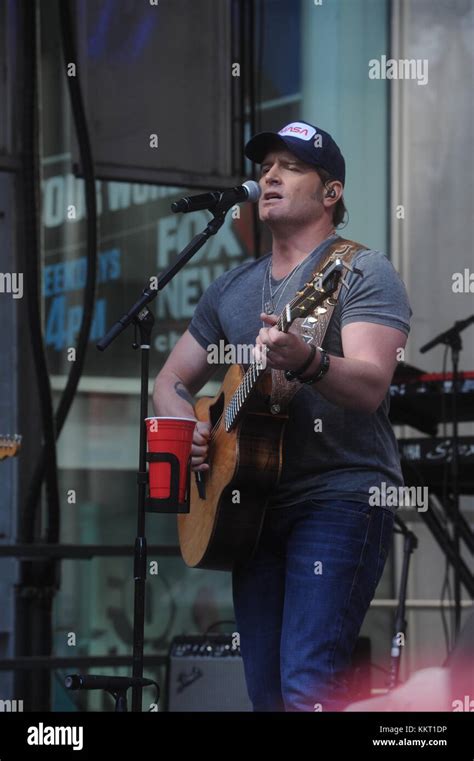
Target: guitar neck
x,y
322,286
236,406
284,320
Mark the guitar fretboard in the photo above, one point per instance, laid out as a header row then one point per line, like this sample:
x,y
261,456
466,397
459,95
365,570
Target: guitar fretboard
x,y
303,302
321,287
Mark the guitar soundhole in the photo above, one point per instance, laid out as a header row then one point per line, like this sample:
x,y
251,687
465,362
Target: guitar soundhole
x,y
216,410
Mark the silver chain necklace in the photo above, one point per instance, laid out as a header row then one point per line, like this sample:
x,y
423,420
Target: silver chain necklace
x,y
269,306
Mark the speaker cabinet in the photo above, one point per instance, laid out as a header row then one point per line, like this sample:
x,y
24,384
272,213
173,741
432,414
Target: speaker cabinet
x,y
206,673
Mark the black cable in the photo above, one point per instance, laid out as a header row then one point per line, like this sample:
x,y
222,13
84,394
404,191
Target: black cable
x,y
250,88
255,94
236,92
241,6
87,163
30,177
80,121
446,633
260,58
37,581
251,63
157,698
219,623
446,587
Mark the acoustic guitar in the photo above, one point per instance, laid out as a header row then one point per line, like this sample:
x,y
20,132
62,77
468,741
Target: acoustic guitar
x,y
9,446
245,449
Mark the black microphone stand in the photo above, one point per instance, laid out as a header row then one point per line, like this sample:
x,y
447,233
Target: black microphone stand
x,y
452,338
116,686
143,320
398,641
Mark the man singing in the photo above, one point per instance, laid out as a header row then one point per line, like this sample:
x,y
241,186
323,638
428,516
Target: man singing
x,y
301,599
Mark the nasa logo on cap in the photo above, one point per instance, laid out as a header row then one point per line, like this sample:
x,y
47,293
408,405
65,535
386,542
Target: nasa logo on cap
x,y
298,129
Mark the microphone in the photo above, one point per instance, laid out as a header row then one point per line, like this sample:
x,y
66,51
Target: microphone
x,y
249,191
79,682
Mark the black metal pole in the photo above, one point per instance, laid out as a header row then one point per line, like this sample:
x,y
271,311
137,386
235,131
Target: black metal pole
x,y
143,320
456,346
145,325
398,641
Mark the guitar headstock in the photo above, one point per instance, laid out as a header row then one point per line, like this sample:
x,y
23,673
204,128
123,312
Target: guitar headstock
x,y
9,446
320,288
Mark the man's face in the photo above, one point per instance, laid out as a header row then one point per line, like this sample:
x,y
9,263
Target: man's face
x,y
291,190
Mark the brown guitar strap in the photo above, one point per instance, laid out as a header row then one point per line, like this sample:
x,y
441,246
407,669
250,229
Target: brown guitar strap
x,y
313,328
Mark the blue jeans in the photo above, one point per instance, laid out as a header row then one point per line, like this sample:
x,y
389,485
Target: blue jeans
x,y
301,600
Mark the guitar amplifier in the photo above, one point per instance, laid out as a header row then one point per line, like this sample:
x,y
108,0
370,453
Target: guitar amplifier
x,y
206,673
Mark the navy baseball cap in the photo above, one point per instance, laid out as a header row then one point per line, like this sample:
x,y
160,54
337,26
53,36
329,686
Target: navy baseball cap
x,y
308,143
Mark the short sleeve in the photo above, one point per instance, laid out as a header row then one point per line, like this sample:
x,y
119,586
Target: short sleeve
x,y
205,325
378,295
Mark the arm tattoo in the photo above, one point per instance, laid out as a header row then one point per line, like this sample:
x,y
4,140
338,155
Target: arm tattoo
x,y
183,392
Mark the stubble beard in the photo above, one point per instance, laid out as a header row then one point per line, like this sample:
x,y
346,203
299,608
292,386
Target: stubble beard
x,y
290,222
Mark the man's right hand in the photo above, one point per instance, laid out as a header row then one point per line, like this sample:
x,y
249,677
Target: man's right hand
x,y
200,446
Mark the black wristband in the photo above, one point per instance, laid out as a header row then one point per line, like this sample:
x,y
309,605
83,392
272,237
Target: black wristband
x,y
322,370
292,374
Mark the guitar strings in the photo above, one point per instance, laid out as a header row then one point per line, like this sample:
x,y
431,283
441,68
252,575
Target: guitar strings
x,y
247,373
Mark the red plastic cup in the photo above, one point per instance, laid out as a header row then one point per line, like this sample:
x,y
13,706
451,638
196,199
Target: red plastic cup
x,y
173,435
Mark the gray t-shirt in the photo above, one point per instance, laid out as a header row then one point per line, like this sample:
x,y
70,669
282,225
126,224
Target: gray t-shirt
x,y
353,451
